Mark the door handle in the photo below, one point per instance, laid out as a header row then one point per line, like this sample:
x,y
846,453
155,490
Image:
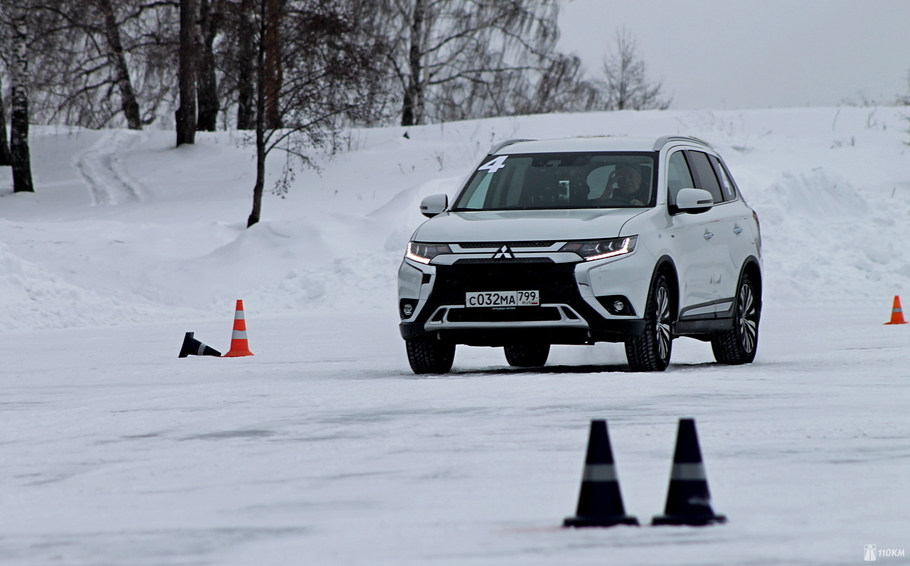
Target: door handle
x,y
708,235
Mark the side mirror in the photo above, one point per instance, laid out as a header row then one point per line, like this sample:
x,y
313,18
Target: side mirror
x,y
434,204
694,201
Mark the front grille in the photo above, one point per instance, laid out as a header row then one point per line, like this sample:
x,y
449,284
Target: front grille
x,y
491,245
518,314
514,260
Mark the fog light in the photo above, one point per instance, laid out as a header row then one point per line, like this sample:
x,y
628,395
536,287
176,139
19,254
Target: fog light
x,y
618,306
407,308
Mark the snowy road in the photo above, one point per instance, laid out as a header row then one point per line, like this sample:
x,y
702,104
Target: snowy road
x,y
324,449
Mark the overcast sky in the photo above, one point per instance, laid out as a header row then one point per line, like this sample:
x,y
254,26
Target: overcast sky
x,y
734,54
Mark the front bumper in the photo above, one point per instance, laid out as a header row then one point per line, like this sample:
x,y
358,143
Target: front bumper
x,y
569,312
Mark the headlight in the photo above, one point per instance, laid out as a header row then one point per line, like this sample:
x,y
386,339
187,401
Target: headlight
x,y
601,249
423,253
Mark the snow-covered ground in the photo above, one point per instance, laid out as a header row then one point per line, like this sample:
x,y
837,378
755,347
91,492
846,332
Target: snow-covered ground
x,y
324,448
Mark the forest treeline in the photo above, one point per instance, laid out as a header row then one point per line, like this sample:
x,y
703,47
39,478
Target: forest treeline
x,y
294,71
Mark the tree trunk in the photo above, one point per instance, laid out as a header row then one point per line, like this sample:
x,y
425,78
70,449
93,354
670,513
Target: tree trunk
x,y
273,71
121,71
186,113
207,86
412,111
261,153
246,79
5,157
22,168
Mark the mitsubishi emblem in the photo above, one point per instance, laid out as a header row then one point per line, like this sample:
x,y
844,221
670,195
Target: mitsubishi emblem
x,y
504,253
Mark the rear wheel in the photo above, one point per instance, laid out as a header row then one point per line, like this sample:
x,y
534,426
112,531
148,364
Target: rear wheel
x,y
430,356
738,346
651,350
527,355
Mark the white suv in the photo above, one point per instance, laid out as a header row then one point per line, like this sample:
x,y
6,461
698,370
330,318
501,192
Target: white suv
x,y
585,240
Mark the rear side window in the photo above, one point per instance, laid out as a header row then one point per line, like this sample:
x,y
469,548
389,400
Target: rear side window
x,y
704,172
726,185
678,175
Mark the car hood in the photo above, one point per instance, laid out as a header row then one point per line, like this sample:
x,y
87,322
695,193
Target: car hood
x,y
525,225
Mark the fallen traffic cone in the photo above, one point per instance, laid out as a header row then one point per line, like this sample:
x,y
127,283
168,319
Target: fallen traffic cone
x,y
239,345
193,347
688,500
600,502
897,313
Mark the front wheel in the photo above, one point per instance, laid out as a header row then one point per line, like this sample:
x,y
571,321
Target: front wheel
x,y
651,350
527,355
430,356
738,346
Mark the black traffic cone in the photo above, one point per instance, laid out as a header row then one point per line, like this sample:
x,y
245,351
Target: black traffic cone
x,y
600,503
688,499
193,347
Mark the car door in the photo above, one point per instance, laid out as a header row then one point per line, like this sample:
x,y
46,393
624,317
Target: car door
x,y
744,238
697,252
724,227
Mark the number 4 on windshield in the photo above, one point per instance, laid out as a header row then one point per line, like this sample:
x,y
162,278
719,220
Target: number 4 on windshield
x,y
495,165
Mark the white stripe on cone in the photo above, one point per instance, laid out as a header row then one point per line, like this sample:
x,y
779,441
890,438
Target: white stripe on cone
x,y
599,472
688,472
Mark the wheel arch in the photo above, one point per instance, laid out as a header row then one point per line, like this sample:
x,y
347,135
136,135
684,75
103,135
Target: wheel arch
x,y
752,268
667,267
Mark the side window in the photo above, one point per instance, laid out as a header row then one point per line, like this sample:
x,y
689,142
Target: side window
x,y
678,175
726,184
704,173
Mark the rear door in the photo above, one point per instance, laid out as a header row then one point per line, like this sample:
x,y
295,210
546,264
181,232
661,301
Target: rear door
x,y
724,228
697,254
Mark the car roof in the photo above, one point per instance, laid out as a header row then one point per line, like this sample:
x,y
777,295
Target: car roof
x,y
591,143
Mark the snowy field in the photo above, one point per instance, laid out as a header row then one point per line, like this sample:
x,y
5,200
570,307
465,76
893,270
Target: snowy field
x,y
325,449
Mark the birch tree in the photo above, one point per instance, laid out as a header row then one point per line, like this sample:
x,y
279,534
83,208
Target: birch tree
x,y
5,157
441,47
19,150
626,84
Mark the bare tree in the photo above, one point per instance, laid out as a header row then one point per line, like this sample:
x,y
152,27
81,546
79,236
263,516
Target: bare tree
x,y
331,78
904,99
626,85
207,83
100,62
185,116
19,149
5,158
121,73
444,48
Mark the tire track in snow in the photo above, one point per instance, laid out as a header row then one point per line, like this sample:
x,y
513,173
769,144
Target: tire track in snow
x,y
103,172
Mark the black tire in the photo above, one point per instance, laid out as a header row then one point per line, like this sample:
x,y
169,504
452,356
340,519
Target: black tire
x,y
430,356
738,346
651,350
527,355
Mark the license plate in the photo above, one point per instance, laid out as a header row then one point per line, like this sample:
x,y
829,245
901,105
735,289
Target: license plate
x,y
502,299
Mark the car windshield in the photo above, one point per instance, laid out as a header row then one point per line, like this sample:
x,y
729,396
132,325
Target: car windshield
x,y
561,180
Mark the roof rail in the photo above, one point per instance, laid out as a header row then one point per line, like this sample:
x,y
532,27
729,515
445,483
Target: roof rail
x,y
501,145
664,140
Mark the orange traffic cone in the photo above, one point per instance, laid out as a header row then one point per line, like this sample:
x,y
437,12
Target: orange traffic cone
x,y
897,314
239,345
